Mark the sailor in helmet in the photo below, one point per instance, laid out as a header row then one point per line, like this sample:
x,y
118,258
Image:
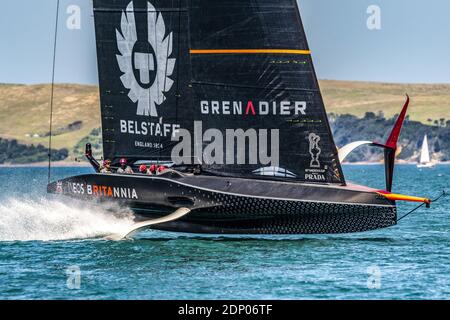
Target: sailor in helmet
x,y
124,168
162,169
106,167
153,170
143,169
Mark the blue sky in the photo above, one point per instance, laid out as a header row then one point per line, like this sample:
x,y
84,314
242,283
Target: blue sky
x,y
413,44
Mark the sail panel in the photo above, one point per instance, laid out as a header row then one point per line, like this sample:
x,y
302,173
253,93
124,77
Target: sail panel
x,y
245,24
252,70
237,75
143,62
255,110
288,71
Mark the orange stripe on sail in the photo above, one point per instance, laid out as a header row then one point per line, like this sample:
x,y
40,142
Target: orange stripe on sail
x,y
251,51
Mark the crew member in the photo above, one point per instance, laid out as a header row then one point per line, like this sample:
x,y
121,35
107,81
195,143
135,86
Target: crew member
x,y
124,168
161,169
153,169
143,169
106,168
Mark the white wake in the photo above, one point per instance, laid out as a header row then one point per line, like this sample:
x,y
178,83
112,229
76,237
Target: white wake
x,y
46,220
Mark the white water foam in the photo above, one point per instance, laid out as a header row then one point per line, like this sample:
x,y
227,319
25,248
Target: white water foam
x,y
47,220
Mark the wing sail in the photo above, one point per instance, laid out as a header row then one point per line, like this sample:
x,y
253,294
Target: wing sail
x,y
227,84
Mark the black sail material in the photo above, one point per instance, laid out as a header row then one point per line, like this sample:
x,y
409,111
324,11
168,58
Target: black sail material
x,y
231,67
143,62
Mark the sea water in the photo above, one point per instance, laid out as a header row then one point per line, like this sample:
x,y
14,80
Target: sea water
x,y
53,248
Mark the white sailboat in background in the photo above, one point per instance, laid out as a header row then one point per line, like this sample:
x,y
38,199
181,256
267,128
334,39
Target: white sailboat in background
x,y
425,161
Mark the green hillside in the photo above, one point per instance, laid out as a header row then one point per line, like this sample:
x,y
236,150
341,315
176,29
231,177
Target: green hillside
x,y
24,110
428,102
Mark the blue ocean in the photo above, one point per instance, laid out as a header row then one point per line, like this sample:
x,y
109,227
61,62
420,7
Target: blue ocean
x,y
53,248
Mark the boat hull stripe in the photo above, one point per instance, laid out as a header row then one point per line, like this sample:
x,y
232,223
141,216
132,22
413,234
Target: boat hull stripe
x,y
250,196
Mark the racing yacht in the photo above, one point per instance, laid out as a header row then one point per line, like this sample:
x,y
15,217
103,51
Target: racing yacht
x,y
224,94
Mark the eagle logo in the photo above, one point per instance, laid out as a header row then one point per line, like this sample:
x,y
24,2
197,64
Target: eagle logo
x,y
146,65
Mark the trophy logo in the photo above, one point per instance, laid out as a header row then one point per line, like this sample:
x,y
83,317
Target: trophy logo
x,y
314,150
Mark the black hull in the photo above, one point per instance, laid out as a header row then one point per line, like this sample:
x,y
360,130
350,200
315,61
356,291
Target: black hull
x,y
237,206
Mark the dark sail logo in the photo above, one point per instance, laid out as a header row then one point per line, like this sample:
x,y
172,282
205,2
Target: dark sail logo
x,y
146,64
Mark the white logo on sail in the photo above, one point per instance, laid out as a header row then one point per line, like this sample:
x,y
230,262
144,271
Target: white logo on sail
x,y
146,68
314,150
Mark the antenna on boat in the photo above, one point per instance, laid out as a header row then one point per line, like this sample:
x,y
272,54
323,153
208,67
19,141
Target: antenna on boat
x,y
52,94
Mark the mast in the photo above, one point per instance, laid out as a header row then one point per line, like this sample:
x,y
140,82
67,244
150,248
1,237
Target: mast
x,y
52,93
